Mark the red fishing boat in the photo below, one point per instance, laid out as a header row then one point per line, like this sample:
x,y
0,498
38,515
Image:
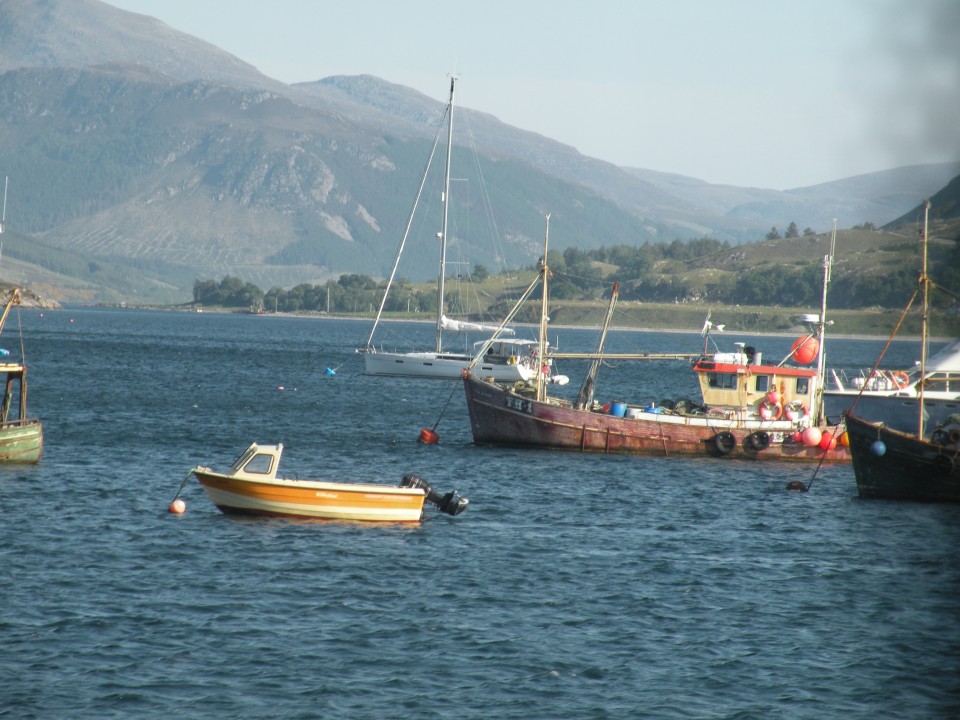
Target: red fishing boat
x,y
750,409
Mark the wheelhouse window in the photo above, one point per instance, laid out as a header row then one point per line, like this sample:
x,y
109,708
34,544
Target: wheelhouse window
x,y
763,383
724,381
259,464
803,386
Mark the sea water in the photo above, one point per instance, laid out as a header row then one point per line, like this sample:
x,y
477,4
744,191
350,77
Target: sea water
x,y
575,586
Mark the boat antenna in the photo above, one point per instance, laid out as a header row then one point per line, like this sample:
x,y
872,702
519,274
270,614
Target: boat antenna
x,y
822,325
443,230
544,273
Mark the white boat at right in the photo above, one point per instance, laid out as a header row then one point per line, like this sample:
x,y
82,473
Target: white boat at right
x,y
892,397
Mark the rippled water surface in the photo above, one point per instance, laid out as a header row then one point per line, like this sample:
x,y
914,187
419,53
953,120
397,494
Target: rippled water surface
x,y
574,586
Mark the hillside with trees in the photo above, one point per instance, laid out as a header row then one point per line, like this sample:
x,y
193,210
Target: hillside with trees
x,y
874,270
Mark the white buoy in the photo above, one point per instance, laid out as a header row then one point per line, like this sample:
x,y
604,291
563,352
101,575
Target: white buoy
x,y
178,507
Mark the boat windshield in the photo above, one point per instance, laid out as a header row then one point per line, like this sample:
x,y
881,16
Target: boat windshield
x,y
242,460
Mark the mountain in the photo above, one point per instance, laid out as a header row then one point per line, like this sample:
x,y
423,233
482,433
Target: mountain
x,y
944,208
142,159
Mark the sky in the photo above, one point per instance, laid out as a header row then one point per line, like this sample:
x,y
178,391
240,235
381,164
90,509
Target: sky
x,y
754,93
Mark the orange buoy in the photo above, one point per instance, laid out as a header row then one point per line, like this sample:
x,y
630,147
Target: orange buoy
x,y
805,350
178,507
827,441
429,437
845,439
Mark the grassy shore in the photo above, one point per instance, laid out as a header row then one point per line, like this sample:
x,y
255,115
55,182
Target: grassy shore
x,y
689,317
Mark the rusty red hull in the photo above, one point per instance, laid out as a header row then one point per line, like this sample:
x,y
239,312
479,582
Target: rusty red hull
x,y
498,416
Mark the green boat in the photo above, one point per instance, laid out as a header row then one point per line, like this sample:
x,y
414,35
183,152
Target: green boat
x,y
21,437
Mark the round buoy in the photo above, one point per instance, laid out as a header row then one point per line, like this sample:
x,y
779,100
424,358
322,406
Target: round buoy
x,y
811,437
429,437
805,350
774,397
330,371
796,486
178,507
827,441
844,439
281,387
878,448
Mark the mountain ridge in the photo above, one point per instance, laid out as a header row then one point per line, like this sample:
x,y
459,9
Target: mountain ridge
x,y
133,145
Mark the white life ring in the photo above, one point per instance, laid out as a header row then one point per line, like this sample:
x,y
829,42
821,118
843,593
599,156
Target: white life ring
x,y
796,410
770,410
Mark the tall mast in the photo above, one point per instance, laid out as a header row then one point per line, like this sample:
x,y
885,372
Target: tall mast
x,y
822,325
443,230
542,357
924,284
585,396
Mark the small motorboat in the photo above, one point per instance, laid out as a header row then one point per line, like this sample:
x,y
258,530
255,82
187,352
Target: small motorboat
x,y
251,487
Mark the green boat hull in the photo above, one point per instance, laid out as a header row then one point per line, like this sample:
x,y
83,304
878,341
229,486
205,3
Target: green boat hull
x,y
21,442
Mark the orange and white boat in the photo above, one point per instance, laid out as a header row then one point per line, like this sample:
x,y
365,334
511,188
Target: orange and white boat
x,y
252,487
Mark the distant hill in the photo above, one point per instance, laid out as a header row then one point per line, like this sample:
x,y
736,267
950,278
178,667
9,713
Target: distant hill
x,y
944,207
141,159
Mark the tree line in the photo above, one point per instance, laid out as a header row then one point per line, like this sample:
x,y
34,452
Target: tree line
x,y
648,272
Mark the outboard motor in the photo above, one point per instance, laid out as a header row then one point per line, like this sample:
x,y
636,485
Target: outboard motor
x,y
451,503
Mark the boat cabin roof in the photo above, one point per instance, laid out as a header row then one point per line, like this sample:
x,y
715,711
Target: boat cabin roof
x,y
258,460
711,365
947,360
517,343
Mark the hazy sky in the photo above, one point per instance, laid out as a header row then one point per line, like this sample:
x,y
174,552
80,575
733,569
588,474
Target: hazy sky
x,y
764,93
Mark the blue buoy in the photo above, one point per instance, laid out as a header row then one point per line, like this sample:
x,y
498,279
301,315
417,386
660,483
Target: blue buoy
x,y
878,448
4,352
331,371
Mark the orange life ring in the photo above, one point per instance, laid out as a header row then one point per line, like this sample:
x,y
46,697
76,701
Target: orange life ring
x,y
770,410
900,379
795,410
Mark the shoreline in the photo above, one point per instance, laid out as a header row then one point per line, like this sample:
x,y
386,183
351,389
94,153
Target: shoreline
x,y
313,315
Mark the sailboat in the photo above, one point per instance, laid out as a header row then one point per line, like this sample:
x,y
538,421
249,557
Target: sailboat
x,y
751,409
505,360
921,464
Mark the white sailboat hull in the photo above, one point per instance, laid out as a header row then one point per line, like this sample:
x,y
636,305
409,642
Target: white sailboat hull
x,y
441,365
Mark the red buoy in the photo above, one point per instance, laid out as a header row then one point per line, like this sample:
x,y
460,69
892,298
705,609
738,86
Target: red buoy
x,y
429,437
